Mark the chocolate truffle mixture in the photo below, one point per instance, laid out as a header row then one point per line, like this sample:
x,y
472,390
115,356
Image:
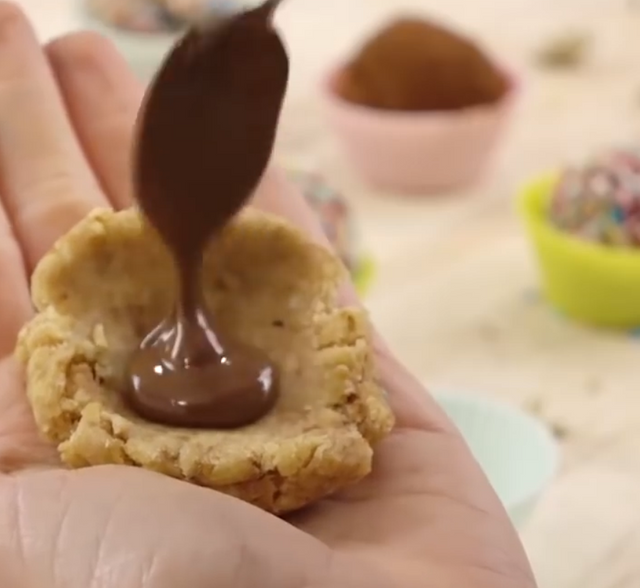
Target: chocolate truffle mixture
x,y
205,137
417,65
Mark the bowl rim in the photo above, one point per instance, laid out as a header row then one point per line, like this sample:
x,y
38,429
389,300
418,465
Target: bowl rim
x,y
532,198
128,40
507,410
514,89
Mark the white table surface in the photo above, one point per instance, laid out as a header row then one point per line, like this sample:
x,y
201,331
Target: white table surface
x,y
456,286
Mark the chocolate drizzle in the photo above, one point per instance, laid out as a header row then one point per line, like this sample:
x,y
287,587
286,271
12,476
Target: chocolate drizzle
x,y
204,139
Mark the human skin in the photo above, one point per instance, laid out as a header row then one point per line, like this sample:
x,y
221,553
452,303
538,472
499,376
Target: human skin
x,y
425,517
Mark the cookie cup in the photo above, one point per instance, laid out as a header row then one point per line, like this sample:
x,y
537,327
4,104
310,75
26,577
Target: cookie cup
x,y
109,281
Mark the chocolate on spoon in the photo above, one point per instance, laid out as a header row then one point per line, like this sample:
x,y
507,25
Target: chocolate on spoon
x,y
204,139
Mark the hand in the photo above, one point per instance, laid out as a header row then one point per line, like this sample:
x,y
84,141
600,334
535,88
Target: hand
x,y
425,517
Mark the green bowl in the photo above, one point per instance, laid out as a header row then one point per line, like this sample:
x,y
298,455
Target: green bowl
x,y
595,284
517,452
364,275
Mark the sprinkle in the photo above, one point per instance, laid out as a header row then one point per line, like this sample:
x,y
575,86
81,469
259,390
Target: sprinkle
x,y
600,201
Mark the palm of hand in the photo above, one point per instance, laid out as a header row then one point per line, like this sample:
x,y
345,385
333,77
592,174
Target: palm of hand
x,y
417,516
426,516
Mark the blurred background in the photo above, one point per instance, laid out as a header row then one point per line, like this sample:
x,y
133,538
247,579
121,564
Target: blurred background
x,y
493,234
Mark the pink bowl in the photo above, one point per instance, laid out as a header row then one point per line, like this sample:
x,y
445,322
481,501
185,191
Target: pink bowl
x,y
417,152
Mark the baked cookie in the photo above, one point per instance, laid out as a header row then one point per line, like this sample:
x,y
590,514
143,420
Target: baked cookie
x,y
110,280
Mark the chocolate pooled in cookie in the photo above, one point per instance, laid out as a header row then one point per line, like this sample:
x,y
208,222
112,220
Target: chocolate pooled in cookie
x,y
220,93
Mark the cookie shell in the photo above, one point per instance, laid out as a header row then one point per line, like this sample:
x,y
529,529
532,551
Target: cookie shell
x,y
110,280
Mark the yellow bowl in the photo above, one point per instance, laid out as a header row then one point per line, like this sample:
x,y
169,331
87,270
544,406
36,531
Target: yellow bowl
x,y
364,275
586,281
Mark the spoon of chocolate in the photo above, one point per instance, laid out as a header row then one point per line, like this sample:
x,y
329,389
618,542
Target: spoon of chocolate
x,y
204,138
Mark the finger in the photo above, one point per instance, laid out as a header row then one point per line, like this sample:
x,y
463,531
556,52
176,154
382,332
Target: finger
x,y
46,183
15,305
103,98
277,195
410,402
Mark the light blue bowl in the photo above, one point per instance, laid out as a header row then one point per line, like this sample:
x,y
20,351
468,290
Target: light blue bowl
x,y
143,53
517,452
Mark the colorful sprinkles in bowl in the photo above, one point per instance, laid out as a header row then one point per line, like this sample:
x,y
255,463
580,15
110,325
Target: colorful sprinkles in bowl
x,y
600,201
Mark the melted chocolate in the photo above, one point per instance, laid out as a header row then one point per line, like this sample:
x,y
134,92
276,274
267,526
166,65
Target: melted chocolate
x,y
205,137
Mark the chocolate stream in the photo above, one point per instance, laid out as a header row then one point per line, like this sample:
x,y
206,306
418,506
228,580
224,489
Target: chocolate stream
x,y
204,138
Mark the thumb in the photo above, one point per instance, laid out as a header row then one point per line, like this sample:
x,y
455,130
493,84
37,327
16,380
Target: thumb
x,y
120,527
411,403
20,443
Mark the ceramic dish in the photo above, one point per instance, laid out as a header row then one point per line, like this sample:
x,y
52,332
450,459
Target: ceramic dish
x,y
144,52
517,452
588,282
417,152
